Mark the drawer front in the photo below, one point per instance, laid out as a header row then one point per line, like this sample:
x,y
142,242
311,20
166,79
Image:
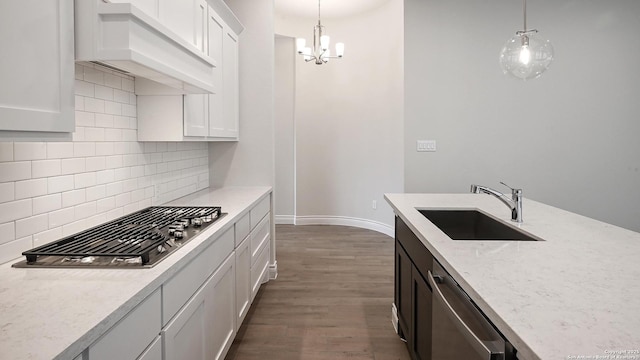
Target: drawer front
x,y
259,270
243,228
260,210
259,237
131,336
154,351
177,290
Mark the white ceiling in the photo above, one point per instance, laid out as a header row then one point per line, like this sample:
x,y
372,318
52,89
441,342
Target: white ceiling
x,y
329,8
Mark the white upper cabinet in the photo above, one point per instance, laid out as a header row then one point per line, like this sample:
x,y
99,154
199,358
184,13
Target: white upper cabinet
x,y
200,117
37,69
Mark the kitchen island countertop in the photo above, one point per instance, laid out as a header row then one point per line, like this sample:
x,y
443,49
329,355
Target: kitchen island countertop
x,y
57,313
575,295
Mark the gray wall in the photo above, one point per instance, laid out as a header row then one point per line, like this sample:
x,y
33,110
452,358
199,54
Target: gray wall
x,y
285,186
348,118
569,139
250,161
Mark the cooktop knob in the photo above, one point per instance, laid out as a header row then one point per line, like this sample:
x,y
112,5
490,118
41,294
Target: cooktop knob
x,y
178,234
197,222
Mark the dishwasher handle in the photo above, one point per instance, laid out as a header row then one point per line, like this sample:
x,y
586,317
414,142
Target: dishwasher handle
x,y
481,347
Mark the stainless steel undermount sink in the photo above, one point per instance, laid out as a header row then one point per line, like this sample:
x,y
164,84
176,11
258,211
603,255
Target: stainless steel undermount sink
x,y
471,224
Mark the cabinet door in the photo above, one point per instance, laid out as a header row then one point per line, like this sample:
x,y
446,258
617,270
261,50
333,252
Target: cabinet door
x,y
243,280
216,34
403,290
421,303
154,351
196,115
230,84
186,18
205,327
37,65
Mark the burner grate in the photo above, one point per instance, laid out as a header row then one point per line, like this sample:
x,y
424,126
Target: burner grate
x,y
133,235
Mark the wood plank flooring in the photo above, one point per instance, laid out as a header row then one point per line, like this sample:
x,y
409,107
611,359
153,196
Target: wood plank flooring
x,y
331,300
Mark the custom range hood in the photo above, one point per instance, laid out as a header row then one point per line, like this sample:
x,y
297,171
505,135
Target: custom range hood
x,y
123,37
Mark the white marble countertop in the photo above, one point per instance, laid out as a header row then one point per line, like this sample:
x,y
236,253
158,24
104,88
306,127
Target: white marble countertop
x,y
575,294
57,313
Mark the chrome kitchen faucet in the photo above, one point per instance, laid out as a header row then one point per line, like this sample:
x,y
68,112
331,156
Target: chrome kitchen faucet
x,y
515,203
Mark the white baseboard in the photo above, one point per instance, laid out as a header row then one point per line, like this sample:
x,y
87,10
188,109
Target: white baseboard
x,y
273,271
345,221
285,219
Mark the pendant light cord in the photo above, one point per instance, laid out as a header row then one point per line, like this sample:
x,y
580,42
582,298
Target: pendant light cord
x,y
524,11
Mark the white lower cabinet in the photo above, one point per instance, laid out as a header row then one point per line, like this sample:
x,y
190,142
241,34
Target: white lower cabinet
x,y
154,351
129,338
243,280
205,327
260,271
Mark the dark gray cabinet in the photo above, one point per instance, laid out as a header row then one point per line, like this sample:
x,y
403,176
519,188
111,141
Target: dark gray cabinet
x,y
412,293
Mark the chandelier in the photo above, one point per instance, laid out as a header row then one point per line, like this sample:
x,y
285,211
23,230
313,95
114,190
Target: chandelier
x,y
320,52
526,55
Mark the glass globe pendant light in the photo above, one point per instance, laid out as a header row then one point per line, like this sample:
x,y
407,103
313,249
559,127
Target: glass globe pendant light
x,y
526,55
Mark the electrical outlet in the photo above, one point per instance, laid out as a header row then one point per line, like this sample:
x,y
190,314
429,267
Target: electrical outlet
x,y
426,145
374,205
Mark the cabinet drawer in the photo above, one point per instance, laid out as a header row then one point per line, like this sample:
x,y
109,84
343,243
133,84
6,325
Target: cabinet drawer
x,y
260,210
259,270
177,290
131,336
259,237
243,228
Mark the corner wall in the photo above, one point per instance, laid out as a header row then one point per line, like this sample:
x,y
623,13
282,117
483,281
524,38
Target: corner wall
x,y
569,138
349,120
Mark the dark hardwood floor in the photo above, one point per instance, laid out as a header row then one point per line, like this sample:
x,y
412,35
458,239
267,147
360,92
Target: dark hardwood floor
x,y
331,300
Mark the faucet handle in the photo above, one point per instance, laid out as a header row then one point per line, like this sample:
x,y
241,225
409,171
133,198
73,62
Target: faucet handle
x,y
513,190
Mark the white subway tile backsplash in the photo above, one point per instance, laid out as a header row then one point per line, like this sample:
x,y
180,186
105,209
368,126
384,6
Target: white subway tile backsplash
x,y
113,134
85,210
32,225
114,188
84,118
104,93
92,75
57,184
104,120
113,162
106,204
7,192
121,96
73,166
104,148
93,134
29,151
84,180
12,171
94,105
128,85
112,81
47,203
84,88
61,217
30,188
13,210
96,163
49,190
96,192
73,197
6,151
47,236
105,176
8,231
11,250
82,149
128,110
59,150
112,107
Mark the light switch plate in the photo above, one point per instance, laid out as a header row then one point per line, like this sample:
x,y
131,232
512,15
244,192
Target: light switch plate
x,y
426,145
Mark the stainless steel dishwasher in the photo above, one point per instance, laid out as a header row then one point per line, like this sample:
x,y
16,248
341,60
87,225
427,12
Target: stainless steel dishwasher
x,y
460,330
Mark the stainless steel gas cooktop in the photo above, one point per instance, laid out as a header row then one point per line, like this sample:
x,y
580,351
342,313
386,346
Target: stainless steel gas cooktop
x,y
137,240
